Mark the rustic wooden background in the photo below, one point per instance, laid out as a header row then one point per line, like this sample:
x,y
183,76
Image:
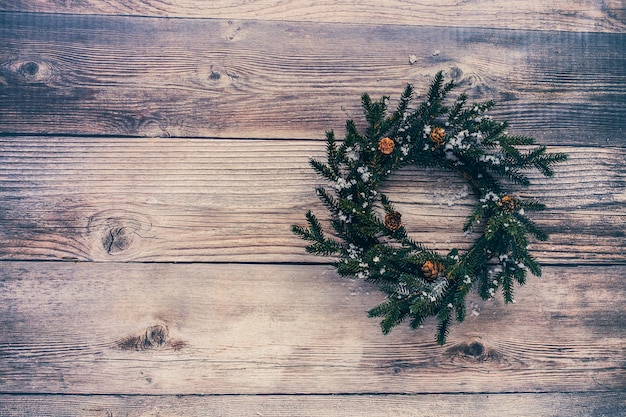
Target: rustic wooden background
x,y
153,155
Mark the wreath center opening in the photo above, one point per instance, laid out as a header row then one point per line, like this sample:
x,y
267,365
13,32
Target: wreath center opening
x,y
433,205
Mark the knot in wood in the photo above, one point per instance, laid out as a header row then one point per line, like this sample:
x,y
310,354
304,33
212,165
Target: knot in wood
x,y
32,71
474,351
152,338
29,68
116,240
155,336
115,231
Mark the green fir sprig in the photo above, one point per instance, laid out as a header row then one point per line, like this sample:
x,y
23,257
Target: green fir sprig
x,y
460,137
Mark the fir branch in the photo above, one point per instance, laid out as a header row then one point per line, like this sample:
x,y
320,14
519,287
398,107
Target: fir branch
x,y
532,228
374,114
532,205
517,140
507,286
333,156
532,265
315,225
395,311
443,327
314,233
398,116
323,170
545,162
477,214
328,200
418,282
457,113
325,248
352,133
459,305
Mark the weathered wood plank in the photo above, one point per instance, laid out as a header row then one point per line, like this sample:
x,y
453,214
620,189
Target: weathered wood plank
x,y
107,328
107,75
478,405
135,199
561,15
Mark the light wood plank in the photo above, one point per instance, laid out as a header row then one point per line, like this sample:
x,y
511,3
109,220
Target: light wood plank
x,y
106,75
106,328
479,405
561,15
197,200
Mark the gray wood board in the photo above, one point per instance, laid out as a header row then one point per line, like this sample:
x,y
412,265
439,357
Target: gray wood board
x,y
167,329
571,15
108,75
597,404
216,200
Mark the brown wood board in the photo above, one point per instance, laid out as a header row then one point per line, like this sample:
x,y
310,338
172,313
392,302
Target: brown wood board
x,y
109,75
127,328
554,15
161,150
432,405
142,199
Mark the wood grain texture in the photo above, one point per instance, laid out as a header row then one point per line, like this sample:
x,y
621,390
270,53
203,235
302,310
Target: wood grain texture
x,y
554,15
164,145
106,75
433,405
199,200
293,329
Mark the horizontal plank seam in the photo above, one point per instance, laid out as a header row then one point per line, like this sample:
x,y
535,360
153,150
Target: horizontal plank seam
x,y
284,263
122,136
233,138
329,394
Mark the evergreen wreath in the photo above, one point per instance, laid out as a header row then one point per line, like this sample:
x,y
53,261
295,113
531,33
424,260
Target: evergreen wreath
x,y
418,281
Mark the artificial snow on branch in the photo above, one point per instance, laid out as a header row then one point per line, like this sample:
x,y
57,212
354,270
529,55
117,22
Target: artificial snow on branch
x,y
457,137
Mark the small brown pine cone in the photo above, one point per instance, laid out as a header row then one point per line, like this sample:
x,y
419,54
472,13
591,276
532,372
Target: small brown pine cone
x,y
432,270
438,135
509,203
393,221
386,145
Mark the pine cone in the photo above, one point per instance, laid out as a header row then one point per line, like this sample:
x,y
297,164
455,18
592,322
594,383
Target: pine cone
x,y
438,135
386,145
432,270
509,203
393,221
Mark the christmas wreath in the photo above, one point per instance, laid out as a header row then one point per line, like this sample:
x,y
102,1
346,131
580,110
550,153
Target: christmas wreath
x,y
369,239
